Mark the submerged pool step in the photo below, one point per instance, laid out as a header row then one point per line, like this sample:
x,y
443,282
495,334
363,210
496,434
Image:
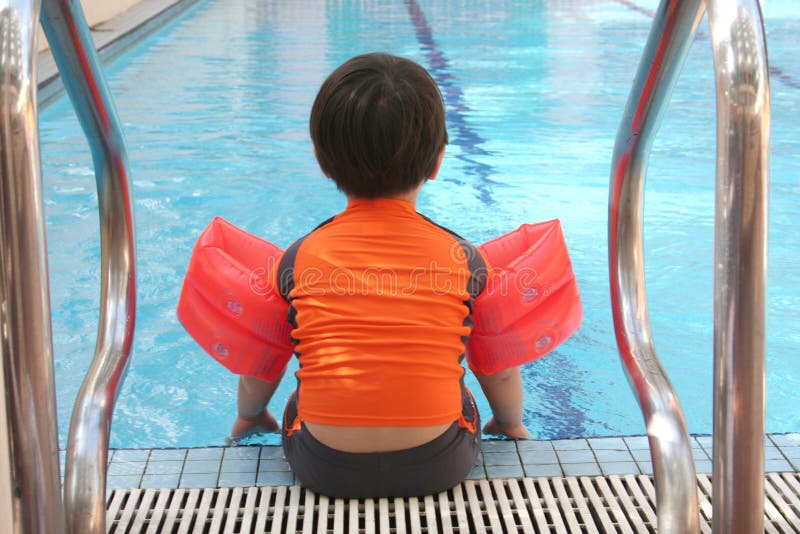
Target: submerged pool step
x,y
563,505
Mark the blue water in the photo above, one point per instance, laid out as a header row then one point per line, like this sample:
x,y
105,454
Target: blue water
x,y
215,110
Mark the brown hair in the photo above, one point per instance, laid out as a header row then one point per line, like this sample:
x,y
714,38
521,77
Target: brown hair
x,y
378,125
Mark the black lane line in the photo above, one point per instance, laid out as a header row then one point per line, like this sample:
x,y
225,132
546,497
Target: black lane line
x,y
465,136
571,421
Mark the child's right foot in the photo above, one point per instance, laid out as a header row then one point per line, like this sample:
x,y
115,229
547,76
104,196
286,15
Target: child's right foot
x,y
246,426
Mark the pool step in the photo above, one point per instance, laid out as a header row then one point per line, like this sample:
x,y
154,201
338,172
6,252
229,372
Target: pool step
x,y
559,504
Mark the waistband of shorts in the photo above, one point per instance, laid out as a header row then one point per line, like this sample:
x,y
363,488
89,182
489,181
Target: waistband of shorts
x,y
430,448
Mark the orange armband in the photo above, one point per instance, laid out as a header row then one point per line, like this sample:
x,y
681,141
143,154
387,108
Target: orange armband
x,y
230,304
530,304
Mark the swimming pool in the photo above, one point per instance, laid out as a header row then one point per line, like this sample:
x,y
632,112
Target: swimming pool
x,y
215,110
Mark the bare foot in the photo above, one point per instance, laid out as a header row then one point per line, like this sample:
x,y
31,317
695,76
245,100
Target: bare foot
x,y
262,423
517,431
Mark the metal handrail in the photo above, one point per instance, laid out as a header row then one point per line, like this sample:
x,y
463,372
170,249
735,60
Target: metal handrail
x,y
26,347
671,35
743,119
742,146
87,446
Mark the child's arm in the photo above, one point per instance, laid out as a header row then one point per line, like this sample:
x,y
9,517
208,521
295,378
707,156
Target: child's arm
x,y
503,390
252,398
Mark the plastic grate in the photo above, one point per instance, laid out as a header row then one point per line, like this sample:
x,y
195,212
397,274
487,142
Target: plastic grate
x,y
623,504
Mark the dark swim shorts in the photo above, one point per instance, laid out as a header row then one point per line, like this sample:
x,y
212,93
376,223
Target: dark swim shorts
x,y
427,469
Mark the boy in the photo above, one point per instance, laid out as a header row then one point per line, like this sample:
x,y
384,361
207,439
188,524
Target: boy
x,y
380,304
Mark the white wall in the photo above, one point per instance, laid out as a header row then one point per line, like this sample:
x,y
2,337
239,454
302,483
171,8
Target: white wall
x,y
96,11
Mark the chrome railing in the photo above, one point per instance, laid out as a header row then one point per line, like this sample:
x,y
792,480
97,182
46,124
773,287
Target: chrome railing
x,y
743,119
673,29
27,348
87,446
742,152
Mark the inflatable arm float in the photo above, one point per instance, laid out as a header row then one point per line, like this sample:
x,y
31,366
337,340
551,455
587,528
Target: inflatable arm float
x,y
231,306
530,304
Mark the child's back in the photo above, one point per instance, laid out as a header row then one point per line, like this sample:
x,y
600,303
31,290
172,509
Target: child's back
x,y
380,303
381,306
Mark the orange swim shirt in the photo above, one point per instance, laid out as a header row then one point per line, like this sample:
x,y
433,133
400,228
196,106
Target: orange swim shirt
x,y
380,301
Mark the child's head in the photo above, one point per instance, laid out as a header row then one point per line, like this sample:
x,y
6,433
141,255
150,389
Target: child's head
x,y
378,126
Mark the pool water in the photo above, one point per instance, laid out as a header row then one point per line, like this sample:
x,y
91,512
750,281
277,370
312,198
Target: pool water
x,y
215,109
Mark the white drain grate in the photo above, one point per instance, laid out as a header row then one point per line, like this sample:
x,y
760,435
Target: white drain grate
x,y
622,504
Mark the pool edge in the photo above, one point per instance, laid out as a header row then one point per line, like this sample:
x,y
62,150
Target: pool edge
x,y
265,465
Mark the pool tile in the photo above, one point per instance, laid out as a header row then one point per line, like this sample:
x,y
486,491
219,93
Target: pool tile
x,y
239,466
477,473
206,453
131,455
608,443
619,468
274,478
645,467
168,455
160,481
274,465
777,465
233,480
576,456
706,442
198,480
542,470
613,455
534,445
538,457
126,468
570,444
786,440
581,469
271,451
201,466
637,442
500,458
772,453
793,453
504,471
122,481
164,467
702,466
499,446
242,453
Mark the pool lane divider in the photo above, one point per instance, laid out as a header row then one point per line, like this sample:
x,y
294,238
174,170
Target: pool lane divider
x,y
466,137
570,420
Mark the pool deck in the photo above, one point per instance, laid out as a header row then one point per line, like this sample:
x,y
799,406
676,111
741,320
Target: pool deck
x,y
111,39
247,466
